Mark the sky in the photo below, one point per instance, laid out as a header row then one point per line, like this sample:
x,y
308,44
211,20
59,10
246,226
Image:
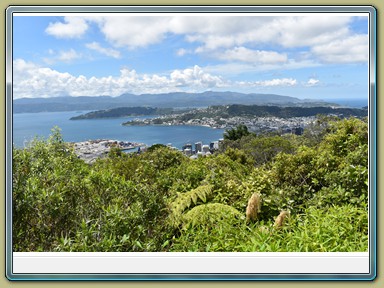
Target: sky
x,y
313,56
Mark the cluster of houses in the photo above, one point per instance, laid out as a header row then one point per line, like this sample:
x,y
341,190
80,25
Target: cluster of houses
x,y
293,125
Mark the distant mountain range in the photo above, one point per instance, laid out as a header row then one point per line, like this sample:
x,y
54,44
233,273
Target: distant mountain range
x,y
169,100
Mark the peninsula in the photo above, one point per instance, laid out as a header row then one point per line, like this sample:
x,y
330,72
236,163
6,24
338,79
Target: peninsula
x,y
253,116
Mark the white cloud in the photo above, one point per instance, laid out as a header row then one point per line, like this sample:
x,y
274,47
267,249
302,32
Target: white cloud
x,y
312,82
31,80
133,32
218,32
106,51
68,55
348,50
276,82
232,69
222,31
73,27
227,36
61,56
286,31
195,77
308,30
243,54
182,52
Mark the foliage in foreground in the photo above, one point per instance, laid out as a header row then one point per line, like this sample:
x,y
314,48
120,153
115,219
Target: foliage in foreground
x,y
163,201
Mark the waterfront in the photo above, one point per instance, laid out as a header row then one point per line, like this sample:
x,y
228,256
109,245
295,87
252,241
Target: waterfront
x,y
177,133
28,125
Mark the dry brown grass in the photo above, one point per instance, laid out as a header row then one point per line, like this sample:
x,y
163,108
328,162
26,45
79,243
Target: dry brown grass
x,y
279,222
253,208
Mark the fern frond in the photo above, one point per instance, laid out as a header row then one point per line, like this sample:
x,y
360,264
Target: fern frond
x,y
185,200
203,192
194,198
211,214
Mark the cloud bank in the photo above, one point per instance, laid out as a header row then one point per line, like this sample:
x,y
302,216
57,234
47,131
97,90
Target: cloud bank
x,y
32,80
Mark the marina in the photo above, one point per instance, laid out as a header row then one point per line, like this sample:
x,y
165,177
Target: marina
x,y
90,150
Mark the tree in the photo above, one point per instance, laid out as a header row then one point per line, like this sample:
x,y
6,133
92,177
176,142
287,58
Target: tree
x,y
264,148
236,133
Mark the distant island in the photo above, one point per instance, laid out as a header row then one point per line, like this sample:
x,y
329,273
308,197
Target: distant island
x,y
123,112
163,100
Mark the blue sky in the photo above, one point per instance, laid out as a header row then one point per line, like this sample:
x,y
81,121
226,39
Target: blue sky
x,y
317,56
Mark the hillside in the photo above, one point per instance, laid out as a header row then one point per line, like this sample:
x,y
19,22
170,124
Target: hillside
x,y
218,115
122,112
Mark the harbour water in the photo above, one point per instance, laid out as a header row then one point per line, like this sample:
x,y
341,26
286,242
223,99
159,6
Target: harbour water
x,y
26,126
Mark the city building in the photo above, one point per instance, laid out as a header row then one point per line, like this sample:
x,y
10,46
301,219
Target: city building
x,y
205,148
198,146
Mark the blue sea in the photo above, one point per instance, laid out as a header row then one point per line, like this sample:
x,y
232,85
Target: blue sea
x,y
26,126
353,103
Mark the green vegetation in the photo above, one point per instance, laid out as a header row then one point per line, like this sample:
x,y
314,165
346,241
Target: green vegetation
x,y
161,200
123,112
236,133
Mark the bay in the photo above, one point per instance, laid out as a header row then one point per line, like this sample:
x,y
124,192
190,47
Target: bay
x,y
26,126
